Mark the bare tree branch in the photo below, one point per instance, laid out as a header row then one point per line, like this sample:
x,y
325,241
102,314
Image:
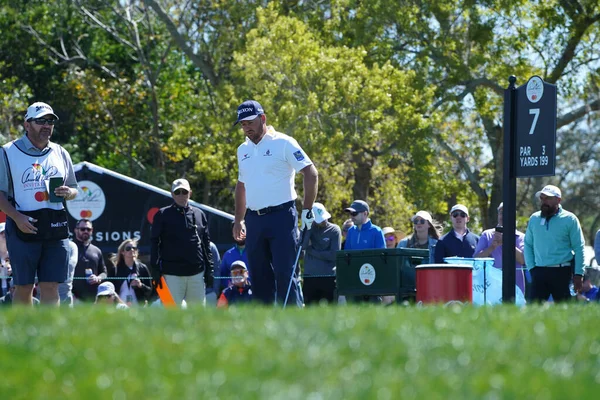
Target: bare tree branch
x,y
201,62
64,58
574,115
581,24
107,28
465,167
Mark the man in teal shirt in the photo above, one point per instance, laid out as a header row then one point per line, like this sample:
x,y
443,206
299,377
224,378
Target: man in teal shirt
x,y
553,248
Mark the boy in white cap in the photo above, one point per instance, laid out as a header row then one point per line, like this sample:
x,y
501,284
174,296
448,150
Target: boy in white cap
x,y
460,241
240,290
553,236
324,241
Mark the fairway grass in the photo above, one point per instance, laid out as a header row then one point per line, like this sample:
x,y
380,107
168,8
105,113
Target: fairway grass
x,y
317,353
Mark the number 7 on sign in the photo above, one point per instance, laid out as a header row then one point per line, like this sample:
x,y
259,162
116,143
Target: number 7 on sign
x,y
536,113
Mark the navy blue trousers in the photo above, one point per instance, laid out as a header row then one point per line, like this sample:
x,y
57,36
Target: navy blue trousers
x,y
272,243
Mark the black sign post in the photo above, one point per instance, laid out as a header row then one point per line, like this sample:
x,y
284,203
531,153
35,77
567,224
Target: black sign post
x,y
529,150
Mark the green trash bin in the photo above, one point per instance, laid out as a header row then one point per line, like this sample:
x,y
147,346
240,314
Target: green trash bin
x,y
378,272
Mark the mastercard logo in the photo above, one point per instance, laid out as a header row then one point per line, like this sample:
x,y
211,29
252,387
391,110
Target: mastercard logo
x,y
41,196
85,213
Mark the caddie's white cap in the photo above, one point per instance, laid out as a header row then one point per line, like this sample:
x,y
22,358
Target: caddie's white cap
x,y
39,109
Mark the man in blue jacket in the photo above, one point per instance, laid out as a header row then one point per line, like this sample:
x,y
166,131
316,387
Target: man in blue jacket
x,y
363,235
460,241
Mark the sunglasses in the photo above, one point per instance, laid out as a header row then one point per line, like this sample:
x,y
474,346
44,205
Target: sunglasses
x,y
179,192
85,229
459,214
390,238
419,222
354,213
238,272
43,121
129,248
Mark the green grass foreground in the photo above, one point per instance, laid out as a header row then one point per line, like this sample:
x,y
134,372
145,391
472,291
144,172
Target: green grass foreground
x,y
318,353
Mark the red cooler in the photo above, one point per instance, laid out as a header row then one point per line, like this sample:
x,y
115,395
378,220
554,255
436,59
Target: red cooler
x,y
441,283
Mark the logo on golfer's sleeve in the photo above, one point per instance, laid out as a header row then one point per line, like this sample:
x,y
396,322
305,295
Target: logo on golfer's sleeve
x,y
299,156
367,274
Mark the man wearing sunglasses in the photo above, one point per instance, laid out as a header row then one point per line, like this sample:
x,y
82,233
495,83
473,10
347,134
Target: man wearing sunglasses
x,y
363,234
37,246
181,248
90,270
459,242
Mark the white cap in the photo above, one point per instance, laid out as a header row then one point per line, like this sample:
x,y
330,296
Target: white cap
x,y
238,264
320,213
180,184
106,289
388,229
422,214
460,207
39,109
550,191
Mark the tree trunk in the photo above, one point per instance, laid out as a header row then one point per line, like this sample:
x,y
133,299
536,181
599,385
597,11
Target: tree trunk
x,y
362,175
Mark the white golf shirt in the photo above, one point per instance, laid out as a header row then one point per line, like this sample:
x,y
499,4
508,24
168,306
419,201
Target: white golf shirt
x,y
267,169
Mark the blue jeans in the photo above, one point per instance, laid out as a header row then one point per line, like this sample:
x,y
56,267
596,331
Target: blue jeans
x,y
46,259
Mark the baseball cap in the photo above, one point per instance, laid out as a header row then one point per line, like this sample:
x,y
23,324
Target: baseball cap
x,y
2,227
388,229
320,213
358,206
550,191
106,289
248,110
422,214
39,109
460,207
180,184
238,264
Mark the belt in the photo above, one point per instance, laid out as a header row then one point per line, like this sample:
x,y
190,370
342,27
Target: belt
x,y
567,264
268,210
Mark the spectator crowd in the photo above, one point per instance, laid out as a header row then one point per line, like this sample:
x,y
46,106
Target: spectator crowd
x,y
38,263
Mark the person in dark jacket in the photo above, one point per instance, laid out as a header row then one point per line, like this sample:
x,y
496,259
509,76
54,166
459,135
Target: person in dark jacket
x,y
460,241
180,247
132,279
323,241
240,290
